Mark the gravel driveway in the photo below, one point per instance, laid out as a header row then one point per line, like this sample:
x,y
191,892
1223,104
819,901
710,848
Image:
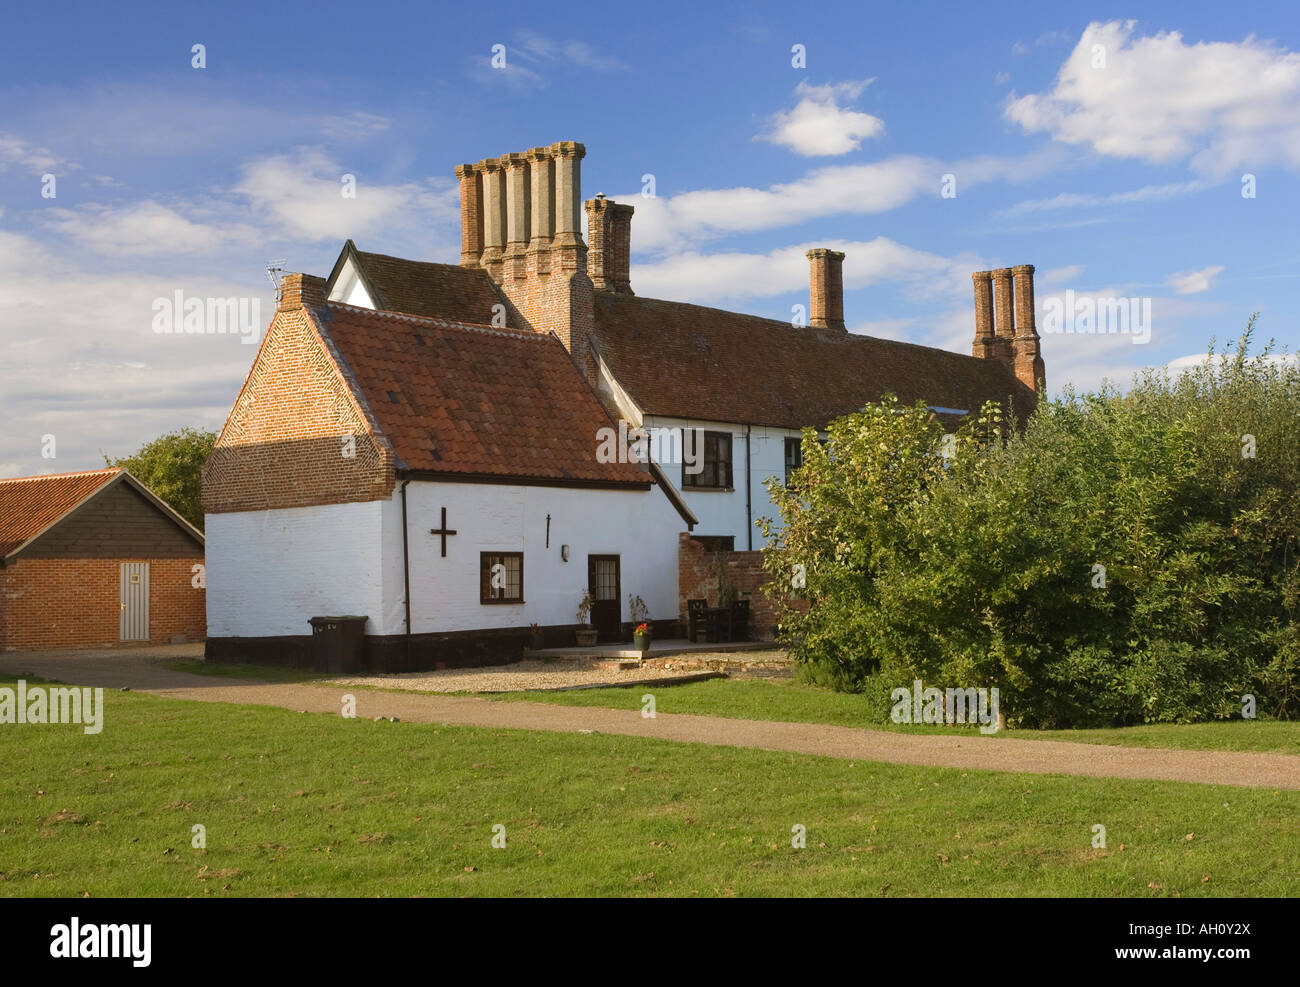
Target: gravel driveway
x,y
143,673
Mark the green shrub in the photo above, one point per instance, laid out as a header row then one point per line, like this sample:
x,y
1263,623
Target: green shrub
x,y
1120,558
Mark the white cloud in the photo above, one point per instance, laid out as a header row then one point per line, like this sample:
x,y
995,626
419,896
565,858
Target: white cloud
x,y
667,222
1223,104
736,276
819,125
302,194
79,358
145,228
1194,282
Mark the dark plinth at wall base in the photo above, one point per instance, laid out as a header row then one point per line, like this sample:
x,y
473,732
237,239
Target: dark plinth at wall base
x,y
389,653
293,651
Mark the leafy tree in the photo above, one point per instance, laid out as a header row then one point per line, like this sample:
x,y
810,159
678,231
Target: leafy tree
x,y
172,467
1121,558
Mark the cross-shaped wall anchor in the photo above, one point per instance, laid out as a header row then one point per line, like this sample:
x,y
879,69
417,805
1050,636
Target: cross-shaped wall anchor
x,y
444,531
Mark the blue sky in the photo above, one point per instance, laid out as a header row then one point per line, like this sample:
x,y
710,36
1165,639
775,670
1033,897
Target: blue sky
x,y
1122,179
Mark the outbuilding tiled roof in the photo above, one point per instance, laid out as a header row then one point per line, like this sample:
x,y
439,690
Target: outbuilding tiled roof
x,y
469,400
687,361
30,504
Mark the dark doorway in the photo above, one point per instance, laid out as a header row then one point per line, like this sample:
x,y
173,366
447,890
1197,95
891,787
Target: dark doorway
x,y
607,614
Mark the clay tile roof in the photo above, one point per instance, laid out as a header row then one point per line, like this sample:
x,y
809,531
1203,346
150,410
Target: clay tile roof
x,y
30,504
688,361
471,400
437,291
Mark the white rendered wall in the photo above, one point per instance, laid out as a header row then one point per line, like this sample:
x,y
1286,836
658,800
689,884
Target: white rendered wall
x,y
723,512
269,572
639,526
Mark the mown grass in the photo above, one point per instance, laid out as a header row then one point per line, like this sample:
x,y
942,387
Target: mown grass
x,y
782,699
304,804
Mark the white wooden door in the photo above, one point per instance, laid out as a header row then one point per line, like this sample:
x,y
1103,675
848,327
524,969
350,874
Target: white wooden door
x,y
135,601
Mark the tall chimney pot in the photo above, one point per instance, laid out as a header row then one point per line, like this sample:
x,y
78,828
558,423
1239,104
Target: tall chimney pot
x,y
826,289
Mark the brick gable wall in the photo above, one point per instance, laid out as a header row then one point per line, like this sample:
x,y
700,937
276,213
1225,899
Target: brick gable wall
x,y
283,444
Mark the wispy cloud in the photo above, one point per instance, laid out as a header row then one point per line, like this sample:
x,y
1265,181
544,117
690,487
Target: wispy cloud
x,y
531,57
28,156
355,126
1044,39
1076,200
146,228
1194,282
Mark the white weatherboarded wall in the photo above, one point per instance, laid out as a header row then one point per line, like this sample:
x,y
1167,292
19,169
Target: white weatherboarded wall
x,y
639,526
268,572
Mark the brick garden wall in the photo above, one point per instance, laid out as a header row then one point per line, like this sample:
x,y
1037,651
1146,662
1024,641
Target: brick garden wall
x,y
701,572
67,603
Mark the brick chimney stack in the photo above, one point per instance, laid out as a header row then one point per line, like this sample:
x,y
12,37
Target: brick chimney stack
x,y
301,291
1005,326
1026,349
1004,318
494,216
609,253
984,347
826,289
471,215
520,217
517,208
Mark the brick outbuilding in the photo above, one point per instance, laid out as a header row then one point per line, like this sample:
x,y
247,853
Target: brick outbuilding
x,y
95,558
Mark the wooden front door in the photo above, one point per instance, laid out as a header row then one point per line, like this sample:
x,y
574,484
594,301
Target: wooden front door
x,y
603,581
135,601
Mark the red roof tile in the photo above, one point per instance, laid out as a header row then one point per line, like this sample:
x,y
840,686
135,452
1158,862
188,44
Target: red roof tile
x,y
471,400
30,504
688,361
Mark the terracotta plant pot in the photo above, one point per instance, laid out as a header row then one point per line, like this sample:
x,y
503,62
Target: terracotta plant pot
x,y
586,637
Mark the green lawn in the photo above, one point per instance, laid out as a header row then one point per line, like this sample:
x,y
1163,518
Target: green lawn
x,y
782,699
302,804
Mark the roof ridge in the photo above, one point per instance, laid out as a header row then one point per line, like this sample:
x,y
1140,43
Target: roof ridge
x,y
441,323
59,476
832,334
408,260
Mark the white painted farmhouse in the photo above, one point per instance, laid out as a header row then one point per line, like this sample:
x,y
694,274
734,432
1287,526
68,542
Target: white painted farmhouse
x,y
409,429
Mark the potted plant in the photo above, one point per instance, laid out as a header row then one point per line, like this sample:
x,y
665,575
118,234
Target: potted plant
x,y
536,639
641,638
640,615
586,634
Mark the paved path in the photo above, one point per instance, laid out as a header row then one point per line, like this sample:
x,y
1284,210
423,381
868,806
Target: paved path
x,y
140,670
